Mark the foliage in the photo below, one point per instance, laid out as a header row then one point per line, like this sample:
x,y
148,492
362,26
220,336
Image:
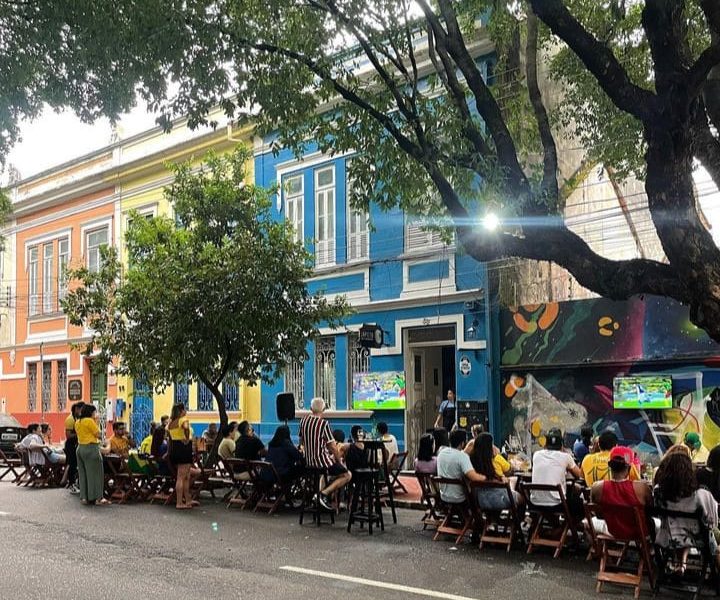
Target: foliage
x,y
222,293
406,85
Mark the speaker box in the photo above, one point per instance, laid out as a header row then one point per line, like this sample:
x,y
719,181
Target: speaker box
x,y
285,403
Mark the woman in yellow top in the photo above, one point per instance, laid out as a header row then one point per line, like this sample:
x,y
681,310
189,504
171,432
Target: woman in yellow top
x,y
181,456
89,460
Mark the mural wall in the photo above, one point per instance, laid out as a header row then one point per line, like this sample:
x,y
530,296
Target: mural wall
x,y
559,361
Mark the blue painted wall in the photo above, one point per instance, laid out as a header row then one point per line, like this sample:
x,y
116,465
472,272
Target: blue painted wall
x,y
387,302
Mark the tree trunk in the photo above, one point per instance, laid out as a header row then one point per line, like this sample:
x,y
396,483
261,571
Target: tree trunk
x,y
222,413
688,245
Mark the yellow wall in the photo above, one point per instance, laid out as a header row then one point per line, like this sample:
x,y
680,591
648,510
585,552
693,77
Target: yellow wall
x,y
141,188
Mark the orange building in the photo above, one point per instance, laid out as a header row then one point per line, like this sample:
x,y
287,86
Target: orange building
x,y
60,217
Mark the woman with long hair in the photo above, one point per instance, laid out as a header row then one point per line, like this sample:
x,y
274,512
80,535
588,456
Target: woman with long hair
x,y
442,438
487,461
181,456
90,465
284,456
159,449
676,488
426,461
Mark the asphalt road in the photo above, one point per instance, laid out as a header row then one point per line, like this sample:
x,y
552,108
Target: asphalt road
x,y
53,548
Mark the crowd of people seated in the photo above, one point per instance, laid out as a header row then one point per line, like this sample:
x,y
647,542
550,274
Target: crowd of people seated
x,y
611,473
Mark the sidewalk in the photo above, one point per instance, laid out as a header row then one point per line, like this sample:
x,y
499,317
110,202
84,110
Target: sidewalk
x,y
412,498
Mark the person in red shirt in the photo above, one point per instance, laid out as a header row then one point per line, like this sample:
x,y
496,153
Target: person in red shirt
x,y
618,493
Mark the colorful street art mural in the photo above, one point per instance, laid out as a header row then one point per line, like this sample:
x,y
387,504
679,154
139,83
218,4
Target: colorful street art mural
x,y
559,361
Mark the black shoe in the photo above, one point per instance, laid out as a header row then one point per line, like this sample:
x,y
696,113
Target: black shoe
x,y
325,502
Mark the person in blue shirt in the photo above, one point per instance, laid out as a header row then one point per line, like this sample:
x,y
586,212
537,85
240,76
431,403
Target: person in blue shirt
x,y
582,445
447,413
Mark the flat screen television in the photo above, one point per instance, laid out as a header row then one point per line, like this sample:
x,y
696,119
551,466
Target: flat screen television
x,y
642,392
383,390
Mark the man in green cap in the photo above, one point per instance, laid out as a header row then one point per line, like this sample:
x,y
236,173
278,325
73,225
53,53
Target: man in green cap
x,y
698,452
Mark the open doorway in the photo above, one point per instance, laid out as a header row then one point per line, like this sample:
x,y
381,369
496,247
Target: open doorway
x,y
430,368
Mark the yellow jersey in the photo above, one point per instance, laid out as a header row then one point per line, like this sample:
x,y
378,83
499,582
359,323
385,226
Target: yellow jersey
x,y
146,445
502,466
178,433
87,431
595,468
70,423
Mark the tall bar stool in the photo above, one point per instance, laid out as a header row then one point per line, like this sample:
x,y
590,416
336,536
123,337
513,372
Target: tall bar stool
x,y
312,485
366,506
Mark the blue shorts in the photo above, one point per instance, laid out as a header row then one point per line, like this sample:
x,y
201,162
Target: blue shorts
x,y
495,499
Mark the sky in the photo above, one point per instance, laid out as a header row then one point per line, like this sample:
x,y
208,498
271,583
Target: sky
x,y
54,138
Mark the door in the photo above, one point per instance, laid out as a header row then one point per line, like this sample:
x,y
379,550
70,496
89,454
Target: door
x,y
142,412
98,395
414,414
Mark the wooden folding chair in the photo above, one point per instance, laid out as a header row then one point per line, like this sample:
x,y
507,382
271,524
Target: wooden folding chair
x,y
10,465
126,484
270,490
496,526
614,551
395,465
458,519
544,515
162,487
240,493
699,568
430,499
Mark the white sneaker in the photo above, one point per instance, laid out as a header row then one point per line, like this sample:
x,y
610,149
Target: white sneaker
x,y
73,489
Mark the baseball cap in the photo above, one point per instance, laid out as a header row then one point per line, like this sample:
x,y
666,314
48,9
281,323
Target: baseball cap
x,y
621,455
554,439
692,440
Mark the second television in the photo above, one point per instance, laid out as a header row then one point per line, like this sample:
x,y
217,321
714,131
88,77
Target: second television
x,y
643,392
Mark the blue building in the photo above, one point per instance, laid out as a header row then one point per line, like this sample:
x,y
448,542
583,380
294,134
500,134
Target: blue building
x,y
427,296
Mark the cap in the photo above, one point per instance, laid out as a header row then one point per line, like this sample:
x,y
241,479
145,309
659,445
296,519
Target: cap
x,y
554,438
692,440
621,455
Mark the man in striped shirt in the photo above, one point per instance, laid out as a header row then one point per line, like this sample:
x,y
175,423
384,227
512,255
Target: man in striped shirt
x,y
321,450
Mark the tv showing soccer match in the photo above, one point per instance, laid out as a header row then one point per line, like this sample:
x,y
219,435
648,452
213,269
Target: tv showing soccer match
x,y
643,392
379,391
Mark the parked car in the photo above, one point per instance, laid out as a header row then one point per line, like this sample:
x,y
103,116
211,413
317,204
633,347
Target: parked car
x,y
11,432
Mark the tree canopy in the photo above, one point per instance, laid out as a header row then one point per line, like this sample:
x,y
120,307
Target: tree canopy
x,y
437,130
218,294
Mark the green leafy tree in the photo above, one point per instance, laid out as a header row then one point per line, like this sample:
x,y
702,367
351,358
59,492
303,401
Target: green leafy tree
x,y
399,82
219,294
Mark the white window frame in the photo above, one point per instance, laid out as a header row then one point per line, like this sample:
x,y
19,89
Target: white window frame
x,y
33,273
295,205
325,226
418,239
95,248
358,242
48,277
62,262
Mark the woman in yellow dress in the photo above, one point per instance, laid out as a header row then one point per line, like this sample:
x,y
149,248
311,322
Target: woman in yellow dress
x,y
89,459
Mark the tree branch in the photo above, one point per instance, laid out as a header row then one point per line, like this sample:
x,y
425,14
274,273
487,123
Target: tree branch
x,y
550,158
706,147
486,105
711,9
456,92
598,59
699,72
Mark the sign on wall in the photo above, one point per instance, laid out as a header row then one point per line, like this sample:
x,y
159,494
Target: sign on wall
x,y
465,366
75,390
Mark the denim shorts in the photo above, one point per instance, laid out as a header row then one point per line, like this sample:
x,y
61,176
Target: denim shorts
x,y
495,499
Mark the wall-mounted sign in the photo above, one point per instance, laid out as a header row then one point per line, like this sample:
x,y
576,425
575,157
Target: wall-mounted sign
x,y
75,390
465,366
371,336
